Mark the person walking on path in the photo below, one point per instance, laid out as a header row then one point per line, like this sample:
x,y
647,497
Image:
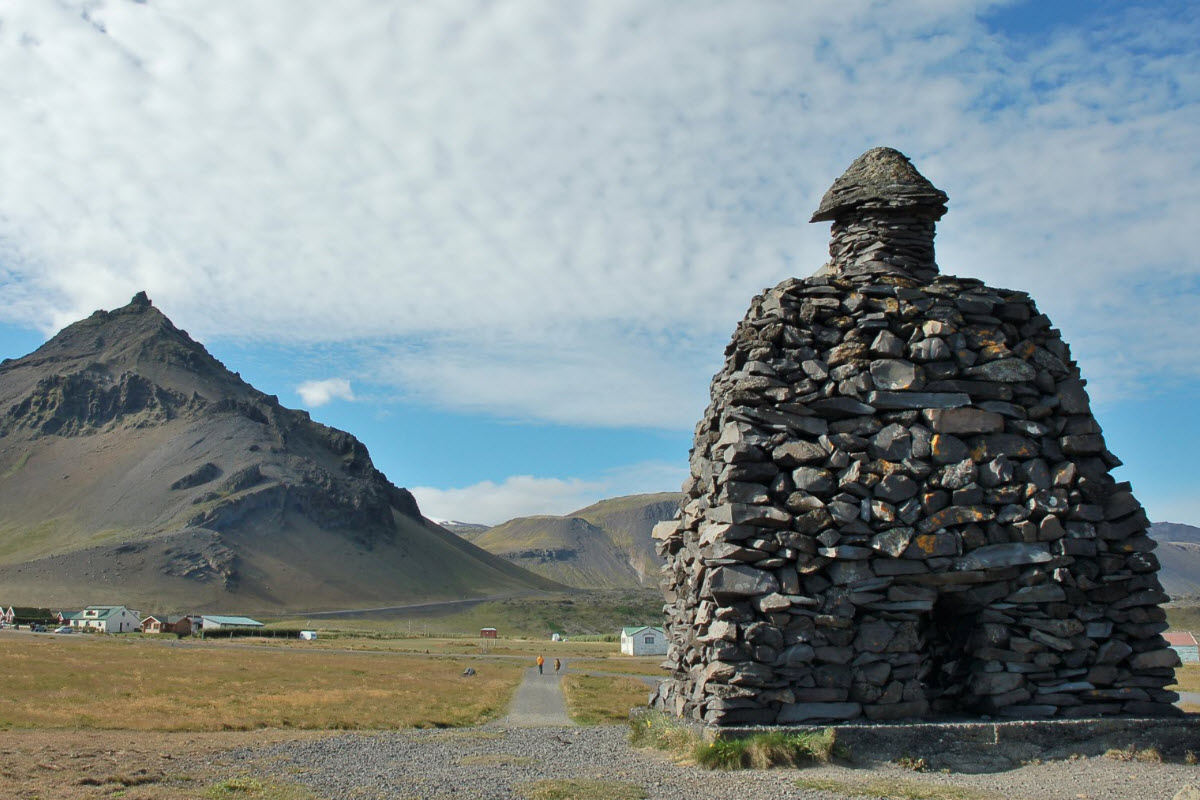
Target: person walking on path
x,y
540,662
557,664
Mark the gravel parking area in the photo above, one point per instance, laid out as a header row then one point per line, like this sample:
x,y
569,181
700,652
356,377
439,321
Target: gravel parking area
x,y
491,764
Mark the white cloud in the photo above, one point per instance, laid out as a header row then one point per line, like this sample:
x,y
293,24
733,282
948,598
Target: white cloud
x,y
560,210
319,393
490,503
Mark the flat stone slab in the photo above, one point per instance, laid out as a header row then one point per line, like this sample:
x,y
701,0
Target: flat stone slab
x,y
997,746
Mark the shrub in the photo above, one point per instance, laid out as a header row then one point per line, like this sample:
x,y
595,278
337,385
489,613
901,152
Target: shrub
x,y
760,751
767,750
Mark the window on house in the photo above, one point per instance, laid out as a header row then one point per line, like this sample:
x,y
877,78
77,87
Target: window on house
x,y
649,640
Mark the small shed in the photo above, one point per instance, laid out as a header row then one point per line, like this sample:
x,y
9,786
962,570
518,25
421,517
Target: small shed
x,y
487,633
643,641
1185,645
308,636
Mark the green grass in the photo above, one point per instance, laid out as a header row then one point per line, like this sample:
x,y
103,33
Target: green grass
x,y
243,786
767,750
1183,618
603,700
17,465
760,751
894,789
580,789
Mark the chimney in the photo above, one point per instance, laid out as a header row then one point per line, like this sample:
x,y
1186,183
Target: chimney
x,y
883,213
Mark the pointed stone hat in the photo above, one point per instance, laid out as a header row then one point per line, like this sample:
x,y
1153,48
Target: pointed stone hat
x,y
880,178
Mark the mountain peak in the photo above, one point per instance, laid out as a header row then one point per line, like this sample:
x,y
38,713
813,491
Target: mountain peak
x,y
140,302
129,453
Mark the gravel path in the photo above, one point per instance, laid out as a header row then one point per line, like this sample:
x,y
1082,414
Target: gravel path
x,y
538,703
494,764
537,741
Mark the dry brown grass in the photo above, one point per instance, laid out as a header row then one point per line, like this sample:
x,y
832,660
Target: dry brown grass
x,y
470,646
894,789
597,700
153,765
57,682
1187,678
626,665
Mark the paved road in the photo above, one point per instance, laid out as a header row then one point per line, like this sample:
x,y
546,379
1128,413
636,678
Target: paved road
x,y
1192,698
538,703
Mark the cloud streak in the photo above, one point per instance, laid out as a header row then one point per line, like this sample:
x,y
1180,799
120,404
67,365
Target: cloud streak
x,y
319,393
492,502
559,211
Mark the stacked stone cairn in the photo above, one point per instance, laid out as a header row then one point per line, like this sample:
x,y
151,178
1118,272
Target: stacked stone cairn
x,y
900,504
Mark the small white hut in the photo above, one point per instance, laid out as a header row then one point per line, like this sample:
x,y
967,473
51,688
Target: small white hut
x,y
643,641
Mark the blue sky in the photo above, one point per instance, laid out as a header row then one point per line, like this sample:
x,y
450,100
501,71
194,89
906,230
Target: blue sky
x,y
504,244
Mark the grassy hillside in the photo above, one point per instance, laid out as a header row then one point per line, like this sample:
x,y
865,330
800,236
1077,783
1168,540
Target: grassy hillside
x,y
1184,617
605,545
590,613
136,469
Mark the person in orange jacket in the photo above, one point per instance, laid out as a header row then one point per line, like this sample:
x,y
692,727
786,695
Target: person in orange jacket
x,y
541,661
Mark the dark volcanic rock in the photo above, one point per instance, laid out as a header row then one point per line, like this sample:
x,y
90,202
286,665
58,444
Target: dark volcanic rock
x,y
123,428
952,525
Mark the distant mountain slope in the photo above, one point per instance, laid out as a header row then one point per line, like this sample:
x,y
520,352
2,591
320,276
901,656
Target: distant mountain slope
x,y
606,545
1179,554
135,468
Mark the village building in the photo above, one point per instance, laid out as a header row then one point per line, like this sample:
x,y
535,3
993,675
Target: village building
x,y
210,622
107,619
167,623
7,615
643,641
1185,645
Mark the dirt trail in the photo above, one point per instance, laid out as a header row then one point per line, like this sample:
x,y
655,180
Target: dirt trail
x,y
538,703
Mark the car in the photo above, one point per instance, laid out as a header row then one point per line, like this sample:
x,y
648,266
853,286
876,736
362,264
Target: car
x,y
38,628
64,629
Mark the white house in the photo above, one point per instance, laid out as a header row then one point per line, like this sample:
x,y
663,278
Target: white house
x,y
7,616
643,641
210,622
108,619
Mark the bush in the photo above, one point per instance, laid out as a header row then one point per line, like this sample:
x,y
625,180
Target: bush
x,y
760,751
767,750
657,730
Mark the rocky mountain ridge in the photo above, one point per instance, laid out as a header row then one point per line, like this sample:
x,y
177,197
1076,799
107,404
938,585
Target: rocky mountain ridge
x,y
132,462
606,545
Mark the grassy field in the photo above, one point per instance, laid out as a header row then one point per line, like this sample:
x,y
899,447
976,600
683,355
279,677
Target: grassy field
x,y
95,682
1184,618
1187,678
602,700
575,613
596,653
626,665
